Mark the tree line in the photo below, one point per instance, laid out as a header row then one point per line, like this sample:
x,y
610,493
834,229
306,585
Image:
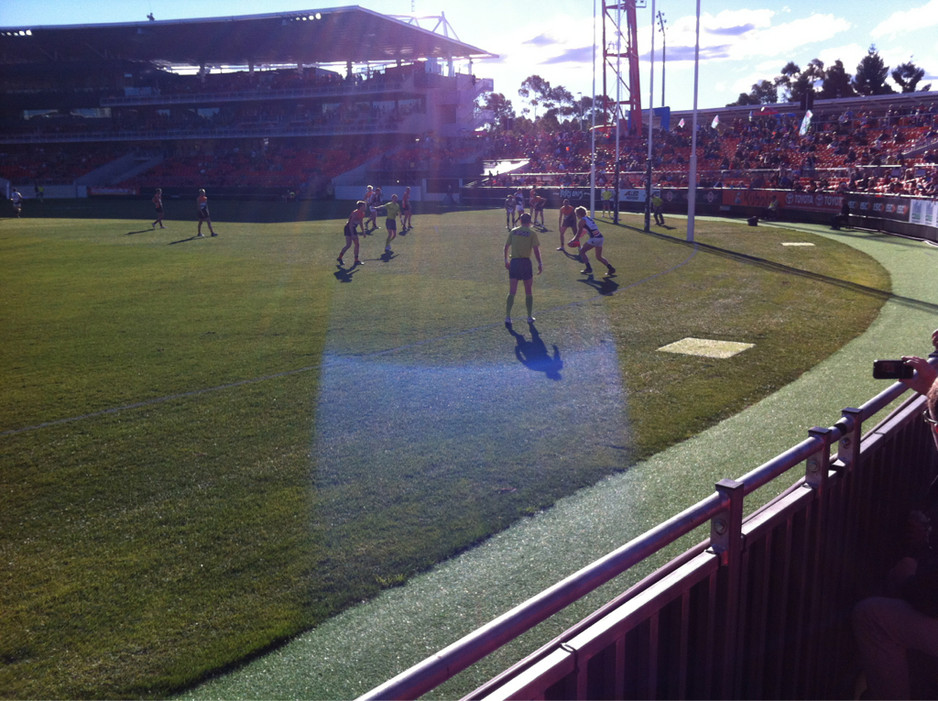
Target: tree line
x,y
546,106
816,80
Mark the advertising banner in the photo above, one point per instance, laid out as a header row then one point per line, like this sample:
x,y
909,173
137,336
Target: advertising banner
x,y
924,212
631,196
750,198
827,202
104,190
880,207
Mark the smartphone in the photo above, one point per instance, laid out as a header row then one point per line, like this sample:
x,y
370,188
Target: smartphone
x,y
891,370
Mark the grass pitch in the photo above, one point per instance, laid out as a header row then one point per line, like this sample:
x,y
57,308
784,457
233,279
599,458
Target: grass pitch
x,y
208,446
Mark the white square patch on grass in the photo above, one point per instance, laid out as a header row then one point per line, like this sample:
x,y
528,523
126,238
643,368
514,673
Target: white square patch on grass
x,y
706,347
797,243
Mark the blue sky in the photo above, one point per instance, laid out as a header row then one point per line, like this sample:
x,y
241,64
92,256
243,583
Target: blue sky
x,y
741,41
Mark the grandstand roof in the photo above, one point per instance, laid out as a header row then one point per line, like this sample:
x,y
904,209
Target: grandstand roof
x,y
309,37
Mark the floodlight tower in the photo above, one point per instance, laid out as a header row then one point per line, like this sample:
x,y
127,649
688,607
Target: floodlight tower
x,y
615,31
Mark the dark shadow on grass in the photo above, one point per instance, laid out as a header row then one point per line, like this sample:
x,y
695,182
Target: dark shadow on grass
x,y
191,238
387,256
605,286
766,264
345,274
142,231
533,354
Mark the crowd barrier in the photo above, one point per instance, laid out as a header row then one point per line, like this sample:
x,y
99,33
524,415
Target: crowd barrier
x,y
908,216
759,609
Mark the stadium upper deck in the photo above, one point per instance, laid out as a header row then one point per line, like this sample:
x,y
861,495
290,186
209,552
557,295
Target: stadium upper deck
x,y
121,81
310,37
231,100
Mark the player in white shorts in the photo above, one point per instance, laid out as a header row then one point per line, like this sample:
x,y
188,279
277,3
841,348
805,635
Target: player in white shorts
x,y
594,240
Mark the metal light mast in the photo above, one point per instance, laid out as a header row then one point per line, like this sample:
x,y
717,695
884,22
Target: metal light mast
x,y
661,22
614,33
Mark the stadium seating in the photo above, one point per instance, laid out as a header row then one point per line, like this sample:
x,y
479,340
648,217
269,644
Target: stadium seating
x,y
842,150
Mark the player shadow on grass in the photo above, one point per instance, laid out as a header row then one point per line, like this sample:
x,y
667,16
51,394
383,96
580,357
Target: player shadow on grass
x,y
533,354
344,274
605,286
191,238
387,256
142,231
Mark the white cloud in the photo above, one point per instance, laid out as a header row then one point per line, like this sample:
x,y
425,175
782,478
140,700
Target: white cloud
x,y
727,19
750,35
904,21
849,54
786,39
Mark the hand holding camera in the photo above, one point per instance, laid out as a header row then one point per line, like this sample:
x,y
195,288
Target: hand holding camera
x,y
914,372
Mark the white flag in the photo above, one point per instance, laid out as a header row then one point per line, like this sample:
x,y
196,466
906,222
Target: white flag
x,y
716,122
805,123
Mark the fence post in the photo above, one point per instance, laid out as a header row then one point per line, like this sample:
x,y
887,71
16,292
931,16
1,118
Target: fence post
x,y
726,542
726,526
822,533
848,448
817,467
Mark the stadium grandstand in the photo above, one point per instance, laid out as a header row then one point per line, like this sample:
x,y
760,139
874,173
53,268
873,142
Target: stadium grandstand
x,y
270,104
855,144
299,105
879,154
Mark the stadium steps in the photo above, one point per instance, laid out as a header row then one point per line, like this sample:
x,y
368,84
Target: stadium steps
x,y
119,170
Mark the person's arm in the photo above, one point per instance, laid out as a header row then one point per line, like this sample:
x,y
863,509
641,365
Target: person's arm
x,y
507,260
537,254
925,374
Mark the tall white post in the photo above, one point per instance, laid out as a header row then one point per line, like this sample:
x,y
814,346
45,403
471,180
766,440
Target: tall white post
x,y
593,130
651,121
618,116
692,175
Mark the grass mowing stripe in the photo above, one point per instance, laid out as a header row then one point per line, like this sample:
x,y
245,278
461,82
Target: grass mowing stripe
x,y
159,400
232,385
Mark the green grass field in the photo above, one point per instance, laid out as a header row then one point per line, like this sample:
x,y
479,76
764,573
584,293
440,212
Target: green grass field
x,y
209,446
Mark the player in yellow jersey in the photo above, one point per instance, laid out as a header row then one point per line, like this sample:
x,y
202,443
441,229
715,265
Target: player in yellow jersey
x,y
392,210
522,242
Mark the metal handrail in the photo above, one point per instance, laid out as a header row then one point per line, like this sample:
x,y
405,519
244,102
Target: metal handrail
x,y
431,672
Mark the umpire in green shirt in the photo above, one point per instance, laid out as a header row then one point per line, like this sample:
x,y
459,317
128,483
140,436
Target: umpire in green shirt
x,y
522,241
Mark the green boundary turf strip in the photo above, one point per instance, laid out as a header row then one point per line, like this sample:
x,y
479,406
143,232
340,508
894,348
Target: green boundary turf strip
x,y
368,644
211,446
